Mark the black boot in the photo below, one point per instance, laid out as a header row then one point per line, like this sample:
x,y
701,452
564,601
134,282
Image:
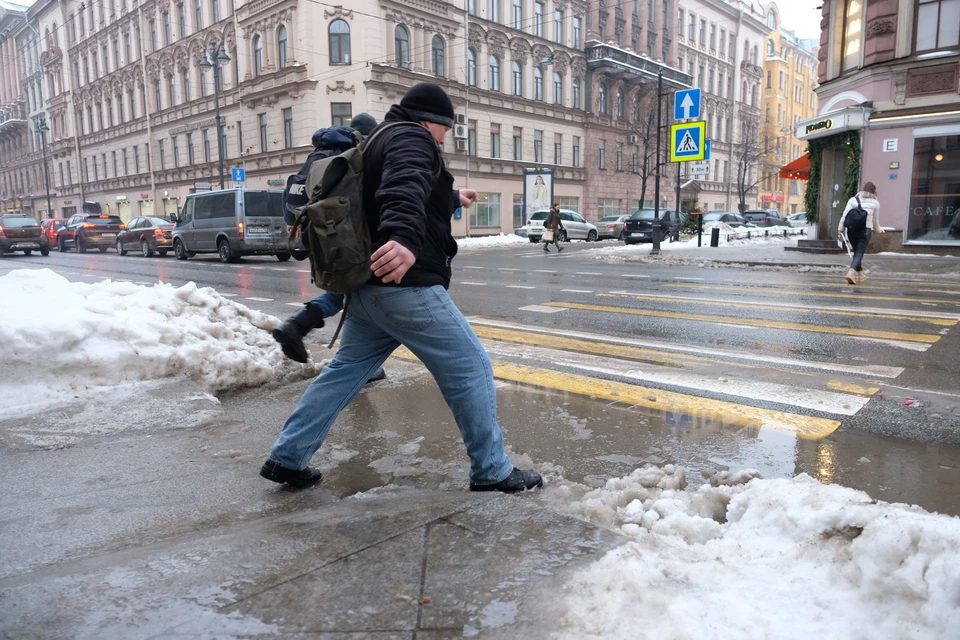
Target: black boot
x,y
516,482
299,478
290,334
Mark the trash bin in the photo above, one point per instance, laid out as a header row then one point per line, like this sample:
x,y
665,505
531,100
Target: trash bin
x,y
715,237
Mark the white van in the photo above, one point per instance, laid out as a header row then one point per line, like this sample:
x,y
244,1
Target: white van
x,y
232,223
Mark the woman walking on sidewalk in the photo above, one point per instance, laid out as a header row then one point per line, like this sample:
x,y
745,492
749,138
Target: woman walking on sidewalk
x,y
860,219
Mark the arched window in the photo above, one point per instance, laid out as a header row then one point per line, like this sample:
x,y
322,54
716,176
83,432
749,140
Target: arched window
x,y
771,48
754,54
401,46
604,100
743,94
538,83
340,42
517,79
438,51
471,67
282,47
619,104
557,88
576,93
772,20
746,50
753,97
636,110
257,55
494,73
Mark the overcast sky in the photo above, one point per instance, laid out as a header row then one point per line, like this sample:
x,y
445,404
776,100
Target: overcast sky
x,y
801,16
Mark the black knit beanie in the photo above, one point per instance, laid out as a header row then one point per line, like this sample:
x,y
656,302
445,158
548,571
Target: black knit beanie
x,y
363,123
428,101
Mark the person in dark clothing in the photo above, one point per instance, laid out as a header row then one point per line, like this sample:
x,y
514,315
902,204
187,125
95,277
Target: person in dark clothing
x,y
326,142
408,197
553,224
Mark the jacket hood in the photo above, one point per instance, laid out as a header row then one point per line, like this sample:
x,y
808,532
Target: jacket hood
x,y
336,138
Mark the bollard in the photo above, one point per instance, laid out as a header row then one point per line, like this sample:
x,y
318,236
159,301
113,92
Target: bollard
x,y
715,237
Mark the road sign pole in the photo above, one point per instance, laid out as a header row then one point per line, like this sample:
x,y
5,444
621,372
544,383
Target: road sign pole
x,y
656,205
679,171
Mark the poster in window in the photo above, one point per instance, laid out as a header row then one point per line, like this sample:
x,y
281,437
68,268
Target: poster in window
x,y
537,191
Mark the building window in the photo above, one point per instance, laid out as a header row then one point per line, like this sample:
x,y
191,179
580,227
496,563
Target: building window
x,y
152,24
282,47
401,46
713,37
557,148
471,67
557,88
341,113
190,155
186,85
538,19
438,51
692,28
109,105
257,55
576,93
619,104
602,155
537,145
288,127
163,156
198,14
340,42
680,21
165,16
222,147
558,26
472,7
518,220
934,214
485,212
517,79
215,10
608,207
472,138
710,79
517,22
577,32
494,140
538,84
494,73
619,156
262,122
181,20
571,203
156,90
205,134
172,89
495,10
517,143
576,151
604,101
175,150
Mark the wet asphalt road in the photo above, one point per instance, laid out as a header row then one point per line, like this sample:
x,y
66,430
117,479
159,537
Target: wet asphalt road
x,y
863,379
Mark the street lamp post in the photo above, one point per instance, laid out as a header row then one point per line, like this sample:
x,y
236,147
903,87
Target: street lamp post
x,y
215,60
42,129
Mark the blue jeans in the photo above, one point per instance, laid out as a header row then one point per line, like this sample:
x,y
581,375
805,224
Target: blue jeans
x,y
426,321
859,248
330,304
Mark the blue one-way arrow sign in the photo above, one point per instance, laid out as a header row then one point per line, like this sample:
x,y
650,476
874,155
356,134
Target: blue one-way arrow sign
x,y
238,174
686,104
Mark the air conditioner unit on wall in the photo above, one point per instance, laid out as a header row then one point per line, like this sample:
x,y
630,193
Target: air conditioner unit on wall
x,y
462,145
634,139
461,118
459,131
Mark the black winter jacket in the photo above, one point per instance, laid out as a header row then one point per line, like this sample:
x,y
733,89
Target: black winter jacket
x,y
408,197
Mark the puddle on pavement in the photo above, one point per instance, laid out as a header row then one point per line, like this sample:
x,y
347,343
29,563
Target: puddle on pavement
x,y
405,435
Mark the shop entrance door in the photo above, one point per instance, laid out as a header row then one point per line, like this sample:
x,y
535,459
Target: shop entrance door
x,y
123,210
832,202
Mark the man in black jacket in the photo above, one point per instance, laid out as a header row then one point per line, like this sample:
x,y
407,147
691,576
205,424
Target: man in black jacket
x,y
408,199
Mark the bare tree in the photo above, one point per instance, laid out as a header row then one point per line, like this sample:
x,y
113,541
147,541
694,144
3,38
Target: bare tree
x,y
751,163
645,128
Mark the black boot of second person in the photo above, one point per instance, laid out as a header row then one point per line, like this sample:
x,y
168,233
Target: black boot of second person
x,y
290,334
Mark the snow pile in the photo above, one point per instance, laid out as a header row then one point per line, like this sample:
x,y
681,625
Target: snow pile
x,y
483,242
62,338
745,557
736,238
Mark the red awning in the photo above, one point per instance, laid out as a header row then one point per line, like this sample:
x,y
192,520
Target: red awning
x,y
799,169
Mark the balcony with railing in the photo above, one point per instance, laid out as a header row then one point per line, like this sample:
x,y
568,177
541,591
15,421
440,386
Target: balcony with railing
x,y
13,121
634,66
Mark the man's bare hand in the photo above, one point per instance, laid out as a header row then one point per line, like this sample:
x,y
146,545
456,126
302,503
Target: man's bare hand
x,y
289,228
392,261
467,197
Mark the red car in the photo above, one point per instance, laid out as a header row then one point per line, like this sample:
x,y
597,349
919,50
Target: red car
x,y
50,227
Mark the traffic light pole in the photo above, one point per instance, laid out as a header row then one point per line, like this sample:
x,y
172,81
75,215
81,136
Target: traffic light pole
x,y
655,251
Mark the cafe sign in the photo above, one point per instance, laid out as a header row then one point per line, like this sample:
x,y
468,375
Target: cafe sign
x,y
849,119
819,126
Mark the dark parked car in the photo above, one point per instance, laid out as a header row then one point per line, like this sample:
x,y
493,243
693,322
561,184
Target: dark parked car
x,y
733,219
88,230
766,218
639,226
147,234
21,233
50,228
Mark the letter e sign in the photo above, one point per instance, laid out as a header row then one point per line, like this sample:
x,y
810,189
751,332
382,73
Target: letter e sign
x,y
890,144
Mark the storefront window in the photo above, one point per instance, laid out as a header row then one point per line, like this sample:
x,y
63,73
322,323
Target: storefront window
x,y
486,211
608,207
935,191
569,202
518,210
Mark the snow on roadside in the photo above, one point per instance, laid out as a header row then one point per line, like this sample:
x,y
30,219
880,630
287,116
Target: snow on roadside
x,y
64,338
746,557
737,238
483,242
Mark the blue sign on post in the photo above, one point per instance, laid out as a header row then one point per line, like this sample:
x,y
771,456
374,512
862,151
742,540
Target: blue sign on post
x,y
238,175
457,213
688,141
686,104
706,155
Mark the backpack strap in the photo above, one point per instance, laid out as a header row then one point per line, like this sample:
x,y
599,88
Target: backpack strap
x,y
343,317
858,201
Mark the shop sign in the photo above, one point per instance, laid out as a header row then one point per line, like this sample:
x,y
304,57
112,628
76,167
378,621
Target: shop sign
x,y
275,183
767,197
819,126
121,197
144,196
780,198
67,202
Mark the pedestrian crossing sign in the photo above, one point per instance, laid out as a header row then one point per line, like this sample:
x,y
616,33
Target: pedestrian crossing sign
x,y
688,141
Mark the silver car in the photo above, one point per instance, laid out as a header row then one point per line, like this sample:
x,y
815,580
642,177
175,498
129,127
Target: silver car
x,y
574,226
798,219
610,227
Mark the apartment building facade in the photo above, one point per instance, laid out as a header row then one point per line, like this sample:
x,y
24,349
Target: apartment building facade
x,y
720,47
889,74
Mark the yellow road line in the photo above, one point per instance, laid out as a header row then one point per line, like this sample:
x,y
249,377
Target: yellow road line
x,y
624,352
768,324
943,322
812,294
851,387
728,413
